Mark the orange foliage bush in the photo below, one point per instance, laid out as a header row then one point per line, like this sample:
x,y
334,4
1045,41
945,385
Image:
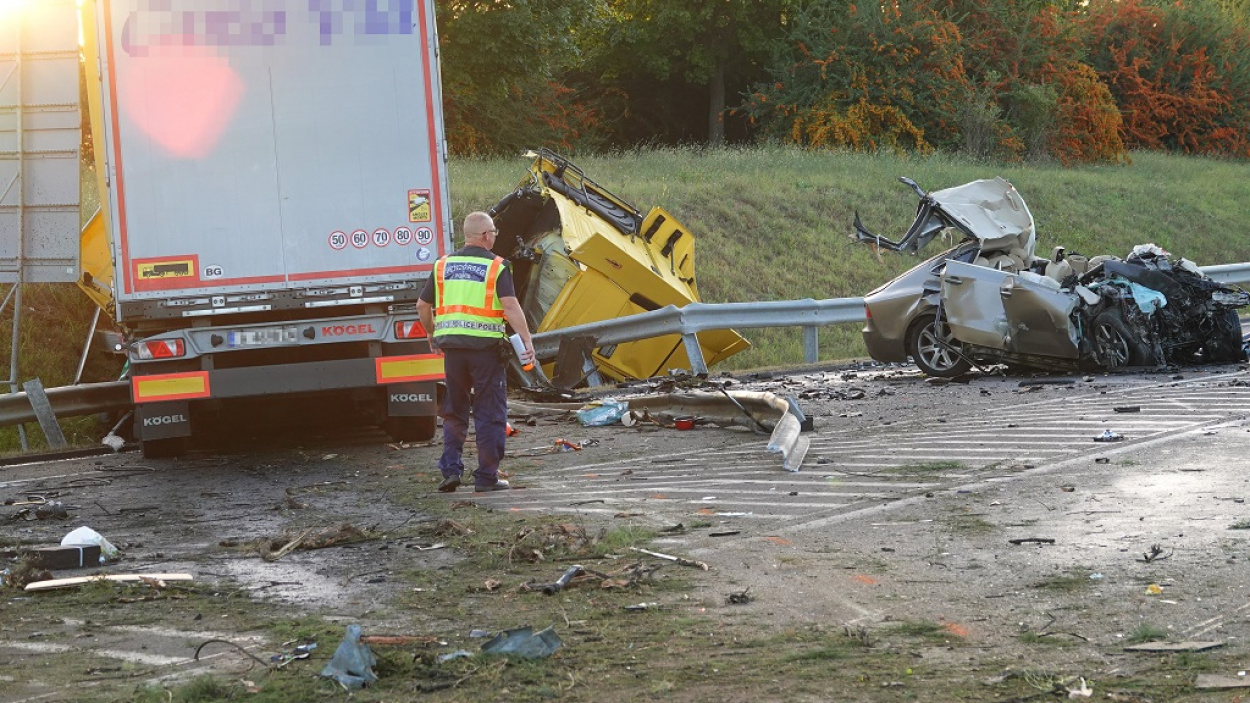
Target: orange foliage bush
x,y
1178,72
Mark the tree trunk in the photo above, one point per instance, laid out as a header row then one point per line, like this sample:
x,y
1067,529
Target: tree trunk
x,y
716,110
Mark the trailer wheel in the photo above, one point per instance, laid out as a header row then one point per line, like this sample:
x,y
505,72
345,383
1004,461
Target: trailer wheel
x,y
163,448
410,429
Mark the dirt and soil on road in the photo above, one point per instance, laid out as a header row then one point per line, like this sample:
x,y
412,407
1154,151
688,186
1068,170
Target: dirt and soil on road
x,y
1008,589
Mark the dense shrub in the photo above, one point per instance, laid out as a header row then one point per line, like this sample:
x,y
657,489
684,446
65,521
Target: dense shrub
x,y
1179,71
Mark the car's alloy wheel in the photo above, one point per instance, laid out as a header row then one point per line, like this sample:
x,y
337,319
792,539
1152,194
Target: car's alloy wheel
x,y
935,351
1116,346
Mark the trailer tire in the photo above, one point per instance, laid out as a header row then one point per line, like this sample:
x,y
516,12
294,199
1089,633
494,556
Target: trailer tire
x,y
410,429
167,448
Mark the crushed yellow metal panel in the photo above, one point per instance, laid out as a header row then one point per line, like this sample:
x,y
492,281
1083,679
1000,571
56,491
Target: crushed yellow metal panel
x,y
606,261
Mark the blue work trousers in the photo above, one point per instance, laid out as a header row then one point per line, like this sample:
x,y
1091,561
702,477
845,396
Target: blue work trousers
x,y
476,378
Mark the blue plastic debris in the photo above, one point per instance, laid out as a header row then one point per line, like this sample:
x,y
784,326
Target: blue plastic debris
x,y
608,411
352,663
524,642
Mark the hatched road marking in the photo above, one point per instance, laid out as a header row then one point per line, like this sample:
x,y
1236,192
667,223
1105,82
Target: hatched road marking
x,y
850,472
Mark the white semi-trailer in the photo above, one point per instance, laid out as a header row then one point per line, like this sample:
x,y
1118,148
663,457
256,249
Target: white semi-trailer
x,y
274,195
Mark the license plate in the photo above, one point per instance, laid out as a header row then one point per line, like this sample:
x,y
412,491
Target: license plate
x,y
262,336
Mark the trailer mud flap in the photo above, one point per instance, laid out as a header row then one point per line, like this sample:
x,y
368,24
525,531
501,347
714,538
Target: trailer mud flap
x,y
411,399
162,420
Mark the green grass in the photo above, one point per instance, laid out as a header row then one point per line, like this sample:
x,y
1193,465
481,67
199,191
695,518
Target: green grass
x,y
1071,580
927,467
1146,632
771,223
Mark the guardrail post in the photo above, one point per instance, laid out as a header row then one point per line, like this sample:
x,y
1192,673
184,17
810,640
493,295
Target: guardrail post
x,y
698,366
43,412
811,344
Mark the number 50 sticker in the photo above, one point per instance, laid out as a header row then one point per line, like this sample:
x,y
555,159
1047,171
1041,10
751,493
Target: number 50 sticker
x,y
338,241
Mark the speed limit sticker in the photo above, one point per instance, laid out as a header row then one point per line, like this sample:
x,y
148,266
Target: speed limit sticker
x,y
381,237
360,239
403,236
338,241
425,235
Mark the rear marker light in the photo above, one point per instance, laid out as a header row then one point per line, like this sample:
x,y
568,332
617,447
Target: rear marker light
x,y
411,329
161,349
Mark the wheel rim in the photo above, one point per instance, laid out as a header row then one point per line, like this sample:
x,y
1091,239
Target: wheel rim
x,y
935,345
1113,345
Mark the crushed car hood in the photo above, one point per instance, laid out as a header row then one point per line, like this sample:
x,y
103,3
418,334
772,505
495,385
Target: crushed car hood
x,y
990,211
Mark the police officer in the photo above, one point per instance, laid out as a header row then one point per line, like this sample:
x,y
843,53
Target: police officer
x,y
463,308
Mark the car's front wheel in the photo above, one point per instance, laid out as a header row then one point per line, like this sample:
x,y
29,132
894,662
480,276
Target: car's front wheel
x,y
1117,347
933,348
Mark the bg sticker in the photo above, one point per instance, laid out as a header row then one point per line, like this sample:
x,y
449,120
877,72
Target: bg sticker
x,y
425,235
423,254
418,206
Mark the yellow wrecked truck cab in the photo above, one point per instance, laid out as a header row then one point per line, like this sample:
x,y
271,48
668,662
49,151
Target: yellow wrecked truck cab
x,y
581,255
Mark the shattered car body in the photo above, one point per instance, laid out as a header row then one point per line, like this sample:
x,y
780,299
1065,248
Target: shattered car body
x,y
989,299
580,255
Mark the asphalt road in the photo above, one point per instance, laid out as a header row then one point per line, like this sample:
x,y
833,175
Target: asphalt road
x,y
905,508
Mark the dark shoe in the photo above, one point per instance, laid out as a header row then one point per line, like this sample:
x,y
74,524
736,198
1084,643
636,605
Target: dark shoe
x,y
449,484
500,485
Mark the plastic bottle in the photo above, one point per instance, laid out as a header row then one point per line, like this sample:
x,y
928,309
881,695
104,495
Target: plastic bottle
x,y
518,346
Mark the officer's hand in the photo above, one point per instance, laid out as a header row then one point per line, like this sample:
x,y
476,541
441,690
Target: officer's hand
x,y
529,356
434,348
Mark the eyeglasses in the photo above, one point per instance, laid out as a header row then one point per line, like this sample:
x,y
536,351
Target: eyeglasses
x,y
489,231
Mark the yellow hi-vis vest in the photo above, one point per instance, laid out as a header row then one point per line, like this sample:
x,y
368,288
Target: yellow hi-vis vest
x,y
466,302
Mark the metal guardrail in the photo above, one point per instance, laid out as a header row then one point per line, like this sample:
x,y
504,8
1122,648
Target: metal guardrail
x,y
67,401
1234,274
811,315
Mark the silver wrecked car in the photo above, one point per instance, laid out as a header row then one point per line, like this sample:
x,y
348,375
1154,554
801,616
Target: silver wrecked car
x,y
990,300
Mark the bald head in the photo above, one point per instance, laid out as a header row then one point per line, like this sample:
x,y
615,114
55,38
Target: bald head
x,y
479,230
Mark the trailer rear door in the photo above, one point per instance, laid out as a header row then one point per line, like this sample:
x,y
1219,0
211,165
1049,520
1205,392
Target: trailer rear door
x,y
267,144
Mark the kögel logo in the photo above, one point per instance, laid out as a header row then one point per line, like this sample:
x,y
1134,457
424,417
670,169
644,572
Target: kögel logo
x,y
340,330
163,420
411,398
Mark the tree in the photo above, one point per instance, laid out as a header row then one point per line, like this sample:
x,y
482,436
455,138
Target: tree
x,y
1179,72
503,66
717,45
873,77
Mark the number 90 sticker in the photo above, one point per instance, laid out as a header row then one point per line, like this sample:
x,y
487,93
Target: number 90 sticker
x,y
338,241
425,235
360,239
213,272
403,236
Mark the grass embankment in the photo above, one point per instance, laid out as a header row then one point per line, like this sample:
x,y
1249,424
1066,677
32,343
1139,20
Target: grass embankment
x,y
772,224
